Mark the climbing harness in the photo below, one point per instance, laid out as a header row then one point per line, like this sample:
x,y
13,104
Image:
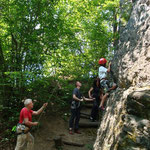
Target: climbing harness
x,y
22,129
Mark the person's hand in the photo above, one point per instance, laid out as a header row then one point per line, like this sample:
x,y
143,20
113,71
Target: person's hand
x,y
35,123
81,100
93,98
45,104
110,64
84,98
90,97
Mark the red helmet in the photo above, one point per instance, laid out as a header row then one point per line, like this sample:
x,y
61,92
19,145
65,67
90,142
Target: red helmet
x,y
102,61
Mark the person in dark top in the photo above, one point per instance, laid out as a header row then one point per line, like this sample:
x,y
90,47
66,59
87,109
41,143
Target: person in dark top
x,y
96,93
75,109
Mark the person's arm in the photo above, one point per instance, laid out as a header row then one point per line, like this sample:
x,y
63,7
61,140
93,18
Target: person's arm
x,y
108,70
88,99
77,99
29,123
89,92
40,110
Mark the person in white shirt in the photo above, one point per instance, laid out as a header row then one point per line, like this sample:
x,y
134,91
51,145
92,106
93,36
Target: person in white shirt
x,y
105,84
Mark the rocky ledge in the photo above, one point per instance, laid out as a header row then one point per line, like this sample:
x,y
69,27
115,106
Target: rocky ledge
x,y
126,122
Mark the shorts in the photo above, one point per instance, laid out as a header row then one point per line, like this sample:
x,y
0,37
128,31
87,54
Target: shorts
x,y
106,85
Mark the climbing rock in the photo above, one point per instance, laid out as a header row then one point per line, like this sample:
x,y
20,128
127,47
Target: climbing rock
x,y
132,59
139,103
125,124
122,129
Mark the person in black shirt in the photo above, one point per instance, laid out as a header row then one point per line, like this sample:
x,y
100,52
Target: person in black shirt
x,y
95,92
75,109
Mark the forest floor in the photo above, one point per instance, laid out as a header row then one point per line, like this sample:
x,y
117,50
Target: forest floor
x,y
55,125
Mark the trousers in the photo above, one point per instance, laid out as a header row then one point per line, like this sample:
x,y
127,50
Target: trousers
x,y
25,140
95,108
75,118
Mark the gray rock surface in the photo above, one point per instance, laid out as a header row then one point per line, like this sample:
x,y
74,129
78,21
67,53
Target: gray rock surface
x,y
131,64
125,123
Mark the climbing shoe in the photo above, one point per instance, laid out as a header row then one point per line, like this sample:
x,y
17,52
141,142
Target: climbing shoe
x,y
77,131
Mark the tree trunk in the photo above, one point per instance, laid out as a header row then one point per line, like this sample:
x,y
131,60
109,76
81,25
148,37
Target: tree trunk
x,y
2,64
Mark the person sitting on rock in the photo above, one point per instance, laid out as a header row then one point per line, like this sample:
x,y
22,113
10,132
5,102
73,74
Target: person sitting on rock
x,y
105,84
95,92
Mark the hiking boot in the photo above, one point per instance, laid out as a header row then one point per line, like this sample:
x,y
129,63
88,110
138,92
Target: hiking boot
x,y
77,131
70,132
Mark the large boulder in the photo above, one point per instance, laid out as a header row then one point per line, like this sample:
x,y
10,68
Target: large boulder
x,y
125,123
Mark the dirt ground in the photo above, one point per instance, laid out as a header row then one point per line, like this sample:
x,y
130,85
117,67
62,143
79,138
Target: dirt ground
x,y
53,126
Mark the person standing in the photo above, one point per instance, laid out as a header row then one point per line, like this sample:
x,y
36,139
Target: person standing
x,y
25,123
96,93
75,109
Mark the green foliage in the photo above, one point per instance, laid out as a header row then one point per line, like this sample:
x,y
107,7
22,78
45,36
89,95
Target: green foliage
x,y
65,38
45,46
126,8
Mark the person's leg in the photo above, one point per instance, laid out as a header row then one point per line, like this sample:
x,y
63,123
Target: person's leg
x,y
113,87
30,141
21,140
98,100
96,113
77,119
72,117
93,112
105,87
103,100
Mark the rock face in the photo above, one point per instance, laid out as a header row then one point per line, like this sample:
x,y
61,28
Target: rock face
x,y
132,59
126,121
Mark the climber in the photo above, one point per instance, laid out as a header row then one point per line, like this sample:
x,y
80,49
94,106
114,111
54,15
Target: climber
x,y
24,137
75,109
95,92
105,84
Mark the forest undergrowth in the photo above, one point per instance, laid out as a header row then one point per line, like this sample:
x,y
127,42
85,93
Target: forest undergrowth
x,y
58,94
